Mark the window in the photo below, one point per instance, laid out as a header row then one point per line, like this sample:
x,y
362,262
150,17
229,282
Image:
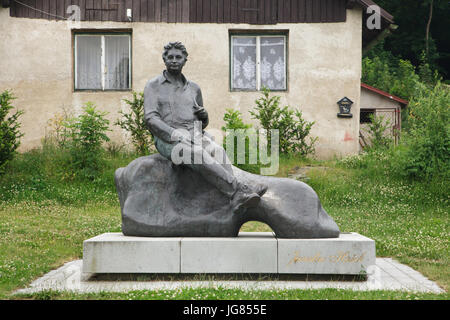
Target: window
x,y
365,115
258,61
102,61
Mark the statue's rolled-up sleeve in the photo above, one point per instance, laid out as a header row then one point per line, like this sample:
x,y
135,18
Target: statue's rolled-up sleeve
x,y
155,124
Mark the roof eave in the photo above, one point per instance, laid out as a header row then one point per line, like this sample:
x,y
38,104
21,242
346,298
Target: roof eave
x,y
403,102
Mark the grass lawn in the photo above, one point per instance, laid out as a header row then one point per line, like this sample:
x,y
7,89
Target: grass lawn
x,y
44,218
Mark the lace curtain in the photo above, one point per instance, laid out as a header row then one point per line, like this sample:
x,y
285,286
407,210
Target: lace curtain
x,y
244,63
89,62
272,65
273,74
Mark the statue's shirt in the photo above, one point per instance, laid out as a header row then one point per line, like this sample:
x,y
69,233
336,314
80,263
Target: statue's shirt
x,y
168,106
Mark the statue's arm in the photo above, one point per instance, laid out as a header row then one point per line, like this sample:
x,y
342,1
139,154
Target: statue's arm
x,y
155,124
204,115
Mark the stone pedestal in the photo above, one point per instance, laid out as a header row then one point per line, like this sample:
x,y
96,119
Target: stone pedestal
x,y
250,252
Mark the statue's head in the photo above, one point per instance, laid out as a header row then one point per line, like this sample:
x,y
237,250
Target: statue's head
x,y
174,56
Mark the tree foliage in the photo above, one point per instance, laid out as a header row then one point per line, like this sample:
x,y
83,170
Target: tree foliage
x,y
9,129
425,148
409,42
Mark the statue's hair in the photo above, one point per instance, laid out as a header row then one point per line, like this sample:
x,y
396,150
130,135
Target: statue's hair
x,y
175,45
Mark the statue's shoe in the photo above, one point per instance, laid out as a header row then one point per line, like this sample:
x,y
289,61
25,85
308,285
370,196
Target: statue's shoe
x,y
247,196
244,200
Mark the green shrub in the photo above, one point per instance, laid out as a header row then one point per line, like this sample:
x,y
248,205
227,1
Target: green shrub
x,y
377,129
293,129
134,123
9,129
85,135
233,121
425,150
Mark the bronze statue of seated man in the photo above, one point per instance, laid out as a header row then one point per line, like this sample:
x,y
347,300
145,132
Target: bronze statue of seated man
x,y
190,189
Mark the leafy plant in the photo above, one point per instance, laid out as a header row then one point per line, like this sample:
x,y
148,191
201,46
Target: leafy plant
x,y
134,123
58,132
378,130
9,129
85,135
425,149
294,131
398,78
233,121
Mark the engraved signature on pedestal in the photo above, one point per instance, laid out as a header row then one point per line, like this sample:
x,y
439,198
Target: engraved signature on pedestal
x,y
340,257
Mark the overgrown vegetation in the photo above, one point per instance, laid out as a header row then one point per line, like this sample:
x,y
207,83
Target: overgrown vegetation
x,y
424,149
378,133
134,123
9,129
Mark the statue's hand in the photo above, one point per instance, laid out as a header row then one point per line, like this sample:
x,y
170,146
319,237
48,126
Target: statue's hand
x,y
202,114
180,135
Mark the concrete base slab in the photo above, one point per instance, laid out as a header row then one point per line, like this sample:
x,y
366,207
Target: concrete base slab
x,y
116,253
388,275
250,252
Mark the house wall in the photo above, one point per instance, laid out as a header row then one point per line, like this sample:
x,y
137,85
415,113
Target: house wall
x,y
324,65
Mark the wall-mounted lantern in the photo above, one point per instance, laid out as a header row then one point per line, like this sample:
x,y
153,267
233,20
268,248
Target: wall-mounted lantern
x,y
345,105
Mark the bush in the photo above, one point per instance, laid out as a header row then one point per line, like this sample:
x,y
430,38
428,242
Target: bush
x,y
84,137
134,123
377,133
233,121
425,150
9,130
293,129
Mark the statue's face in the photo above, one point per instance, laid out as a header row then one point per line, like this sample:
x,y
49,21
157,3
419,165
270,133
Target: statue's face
x,y
174,60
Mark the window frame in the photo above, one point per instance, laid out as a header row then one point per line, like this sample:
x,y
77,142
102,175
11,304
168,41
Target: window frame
x,y
258,34
102,33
